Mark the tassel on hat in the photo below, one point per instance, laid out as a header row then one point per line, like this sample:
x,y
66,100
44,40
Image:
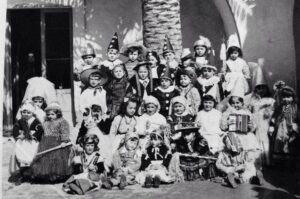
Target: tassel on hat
x,y
114,43
233,41
167,46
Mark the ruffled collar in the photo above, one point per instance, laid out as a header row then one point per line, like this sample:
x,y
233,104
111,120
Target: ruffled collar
x,y
207,82
168,90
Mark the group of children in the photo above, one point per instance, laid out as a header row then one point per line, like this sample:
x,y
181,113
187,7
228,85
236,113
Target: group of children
x,y
153,121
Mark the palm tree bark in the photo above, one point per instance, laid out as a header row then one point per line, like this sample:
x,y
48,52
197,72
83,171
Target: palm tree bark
x,y
161,18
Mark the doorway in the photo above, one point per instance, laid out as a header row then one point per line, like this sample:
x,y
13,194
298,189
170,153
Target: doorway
x,y
41,45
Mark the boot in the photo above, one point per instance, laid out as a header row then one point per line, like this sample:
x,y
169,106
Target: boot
x,y
156,182
231,180
123,182
148,181
106,184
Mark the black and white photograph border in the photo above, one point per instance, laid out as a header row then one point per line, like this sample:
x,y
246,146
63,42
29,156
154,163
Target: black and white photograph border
x,y
52,40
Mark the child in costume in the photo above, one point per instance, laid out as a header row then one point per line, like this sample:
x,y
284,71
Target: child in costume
x,y
142,83
92,125
126,161
209,120
261,105
95,93
237,73
187,79
204,54
116,90
89,171
125,122
284,129
41,92
190,146
157,68
149,121
228,123
135,54
155,161
112,56
238,165
169,55
27,132
53,166
179,115
209,84
165,92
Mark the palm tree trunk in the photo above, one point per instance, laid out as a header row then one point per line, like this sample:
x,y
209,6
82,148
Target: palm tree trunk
x,y
161,18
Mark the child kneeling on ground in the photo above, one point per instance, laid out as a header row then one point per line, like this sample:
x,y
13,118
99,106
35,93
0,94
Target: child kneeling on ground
x,y
89,171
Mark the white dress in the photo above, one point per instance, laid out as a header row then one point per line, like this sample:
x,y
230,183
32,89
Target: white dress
x,y
236,78
210,128
88,98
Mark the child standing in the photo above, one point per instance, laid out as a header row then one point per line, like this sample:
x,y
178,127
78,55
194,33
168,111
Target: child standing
x,y
156,161
88,166
116,90
261,105
95,93
187,79
127,161
149,121
156,67
165,92
135,54
247,138
124,122
209,84
27,132
169,55
284,130
237,73
53,166
204,54
112,55
209,120
142,83
238,165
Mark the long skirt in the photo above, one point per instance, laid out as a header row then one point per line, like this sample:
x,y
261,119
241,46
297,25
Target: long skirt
x,y
53,166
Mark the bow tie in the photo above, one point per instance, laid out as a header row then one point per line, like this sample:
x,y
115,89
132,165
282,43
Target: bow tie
x,y
97,88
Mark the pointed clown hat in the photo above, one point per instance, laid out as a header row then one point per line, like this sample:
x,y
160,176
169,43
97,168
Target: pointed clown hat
x,y
167,46
233,41
258,76
114,43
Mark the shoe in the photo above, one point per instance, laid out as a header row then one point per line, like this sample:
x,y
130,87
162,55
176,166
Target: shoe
x,y
19,181
106,184
156,182
148,181
123,182
231,180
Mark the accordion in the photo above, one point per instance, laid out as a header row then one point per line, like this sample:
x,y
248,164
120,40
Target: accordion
x,y
239,124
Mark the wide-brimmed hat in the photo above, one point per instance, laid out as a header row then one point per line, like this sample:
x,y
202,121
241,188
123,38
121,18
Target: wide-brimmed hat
x,y
142,63
85,75
186,128
141,48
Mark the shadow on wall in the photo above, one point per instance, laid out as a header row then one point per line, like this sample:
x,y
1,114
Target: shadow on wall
x,y
201,18
104,18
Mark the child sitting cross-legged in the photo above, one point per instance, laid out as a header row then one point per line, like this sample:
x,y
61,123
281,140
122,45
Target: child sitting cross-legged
x,y
238,165
155,161
89,170
126,161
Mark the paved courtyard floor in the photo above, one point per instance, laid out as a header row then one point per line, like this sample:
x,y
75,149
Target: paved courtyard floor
x,y
278,184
